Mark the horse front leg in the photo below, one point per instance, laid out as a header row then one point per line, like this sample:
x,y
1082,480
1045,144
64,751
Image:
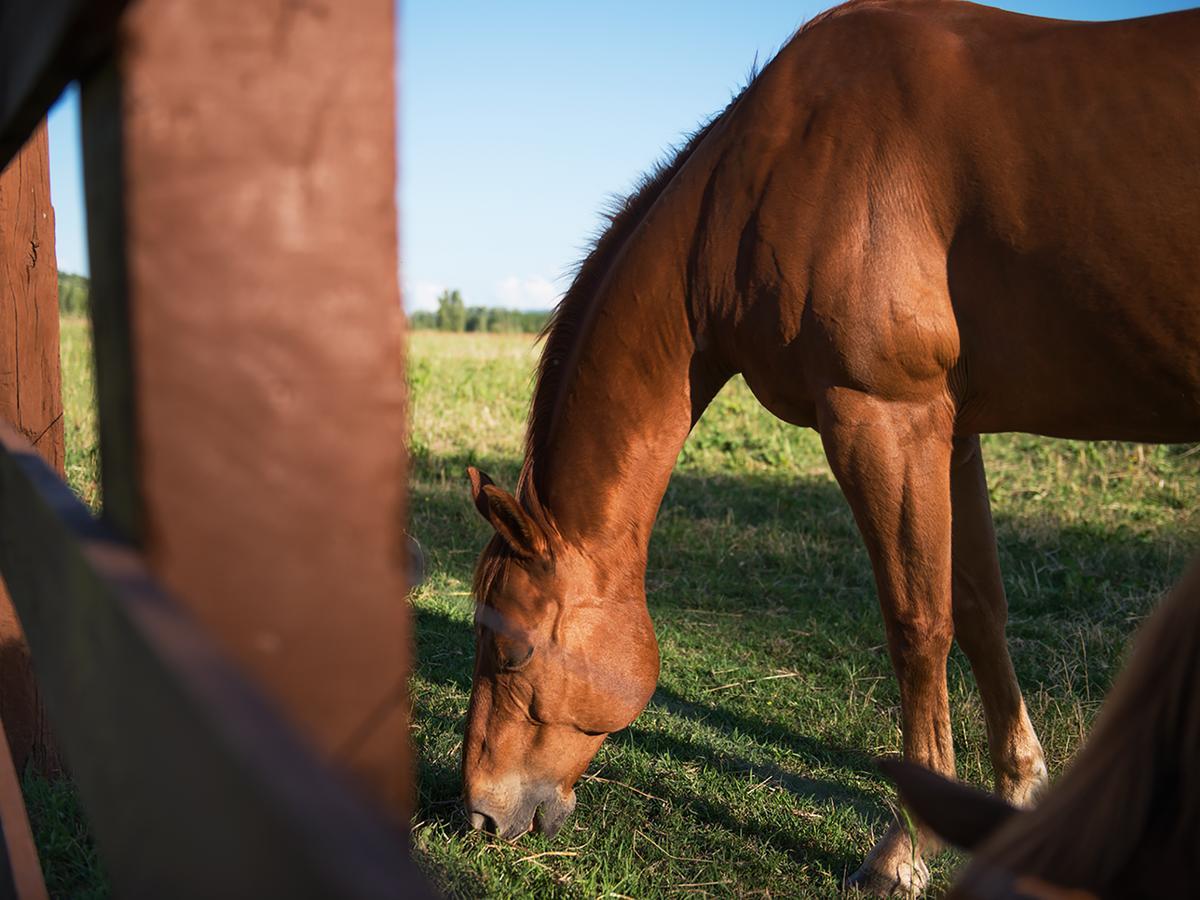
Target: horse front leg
x,y
892,460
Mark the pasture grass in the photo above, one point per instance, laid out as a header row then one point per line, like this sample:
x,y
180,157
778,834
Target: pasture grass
x,y
750,773
79,410
68,854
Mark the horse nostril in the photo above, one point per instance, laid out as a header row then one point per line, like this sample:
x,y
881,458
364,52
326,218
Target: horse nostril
x,y
483,822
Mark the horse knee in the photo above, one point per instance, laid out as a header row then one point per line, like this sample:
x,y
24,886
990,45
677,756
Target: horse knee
x,y
919,642
978,610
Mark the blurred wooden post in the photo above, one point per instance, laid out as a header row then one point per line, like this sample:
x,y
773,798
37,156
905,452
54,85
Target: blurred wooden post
x,y
30,400
276,401
266,329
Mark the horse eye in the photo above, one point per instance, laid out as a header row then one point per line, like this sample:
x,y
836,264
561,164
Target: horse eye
x,y
514,655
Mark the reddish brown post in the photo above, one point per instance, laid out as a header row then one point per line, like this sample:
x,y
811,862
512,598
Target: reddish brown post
x,y
30,399
267,336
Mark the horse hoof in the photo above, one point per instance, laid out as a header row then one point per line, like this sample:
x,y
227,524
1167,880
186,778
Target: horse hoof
x,y
904,880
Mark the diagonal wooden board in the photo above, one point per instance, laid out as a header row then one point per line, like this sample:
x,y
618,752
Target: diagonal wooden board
x,y
194,785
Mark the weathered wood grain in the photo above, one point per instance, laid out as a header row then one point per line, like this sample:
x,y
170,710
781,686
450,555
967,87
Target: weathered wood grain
x,y
30,399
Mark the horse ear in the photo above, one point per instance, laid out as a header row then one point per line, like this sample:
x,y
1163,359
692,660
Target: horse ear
x,y
958,813
507,516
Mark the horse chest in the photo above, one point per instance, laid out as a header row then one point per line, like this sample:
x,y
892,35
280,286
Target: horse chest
x,y
779,385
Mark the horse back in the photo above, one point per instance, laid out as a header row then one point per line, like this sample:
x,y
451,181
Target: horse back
x,y
1004,203
1073,270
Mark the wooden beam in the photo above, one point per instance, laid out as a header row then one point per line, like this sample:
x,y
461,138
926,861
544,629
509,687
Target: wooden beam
x,y
30,400
20,870
44,44
193,784
100,114
259,161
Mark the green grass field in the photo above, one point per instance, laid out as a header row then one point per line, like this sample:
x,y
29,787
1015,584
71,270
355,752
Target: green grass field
x,y
69,860
734,781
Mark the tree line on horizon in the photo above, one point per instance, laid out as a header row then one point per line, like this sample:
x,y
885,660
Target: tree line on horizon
x,y
453,314
73,291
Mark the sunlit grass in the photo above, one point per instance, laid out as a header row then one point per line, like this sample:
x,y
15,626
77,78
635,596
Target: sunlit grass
x,y
734,781
79,410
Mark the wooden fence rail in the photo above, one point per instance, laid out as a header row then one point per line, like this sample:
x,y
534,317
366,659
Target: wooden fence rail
x,y
192,782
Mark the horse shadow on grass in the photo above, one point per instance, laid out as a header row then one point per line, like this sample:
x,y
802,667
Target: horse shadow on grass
x,y
702,523
750,546
440,780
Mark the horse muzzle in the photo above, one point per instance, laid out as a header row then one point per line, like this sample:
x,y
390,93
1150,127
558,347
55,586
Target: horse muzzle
x,y
537,807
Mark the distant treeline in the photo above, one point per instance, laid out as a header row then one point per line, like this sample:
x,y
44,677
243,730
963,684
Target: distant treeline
x,y
454,315
73,293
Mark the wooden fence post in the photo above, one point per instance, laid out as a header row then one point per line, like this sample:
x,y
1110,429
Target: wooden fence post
x,y
248,339
259,162
30,400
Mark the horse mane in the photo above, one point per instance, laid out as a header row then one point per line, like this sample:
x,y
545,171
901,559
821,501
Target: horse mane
x,y
569,320
565,325
1133,791
621,216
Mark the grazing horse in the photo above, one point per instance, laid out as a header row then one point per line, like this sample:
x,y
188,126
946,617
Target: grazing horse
x,y
923,220
1124,821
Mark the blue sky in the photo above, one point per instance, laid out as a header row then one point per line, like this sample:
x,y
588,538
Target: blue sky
x,y
519,119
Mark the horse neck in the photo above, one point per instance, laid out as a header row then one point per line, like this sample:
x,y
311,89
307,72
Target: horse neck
x,y
631,390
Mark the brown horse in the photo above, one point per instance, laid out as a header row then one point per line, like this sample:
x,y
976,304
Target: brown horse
x,y
923,220
1124,821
